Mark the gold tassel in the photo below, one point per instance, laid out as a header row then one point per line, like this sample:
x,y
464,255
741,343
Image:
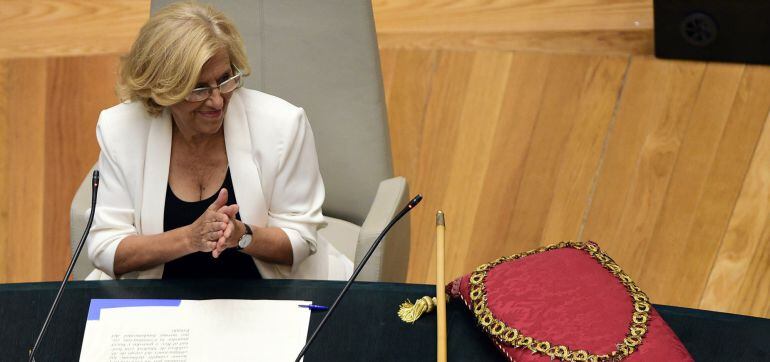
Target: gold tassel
x,y
409,312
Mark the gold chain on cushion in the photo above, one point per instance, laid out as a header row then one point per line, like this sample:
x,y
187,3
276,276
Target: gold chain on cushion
x,y
514,338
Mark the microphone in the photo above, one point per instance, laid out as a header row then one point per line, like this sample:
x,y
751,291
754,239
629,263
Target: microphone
x,y
416,200
94,188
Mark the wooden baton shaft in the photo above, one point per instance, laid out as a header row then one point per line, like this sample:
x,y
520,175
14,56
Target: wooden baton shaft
x,y
440,294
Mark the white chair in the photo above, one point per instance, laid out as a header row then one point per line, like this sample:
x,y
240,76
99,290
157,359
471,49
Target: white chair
x,y
323,56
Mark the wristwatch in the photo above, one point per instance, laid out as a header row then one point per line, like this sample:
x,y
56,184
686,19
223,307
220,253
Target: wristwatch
x,y
245,240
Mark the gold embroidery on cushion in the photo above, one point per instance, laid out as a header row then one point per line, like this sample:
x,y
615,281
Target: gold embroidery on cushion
x,y
513,337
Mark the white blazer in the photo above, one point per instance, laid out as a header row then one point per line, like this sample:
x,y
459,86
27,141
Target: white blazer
x,y
273,165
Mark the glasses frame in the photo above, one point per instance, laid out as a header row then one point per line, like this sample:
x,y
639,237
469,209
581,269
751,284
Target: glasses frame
x,y
238,77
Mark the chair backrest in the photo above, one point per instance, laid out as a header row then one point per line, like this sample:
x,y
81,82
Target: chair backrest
x,y
323,56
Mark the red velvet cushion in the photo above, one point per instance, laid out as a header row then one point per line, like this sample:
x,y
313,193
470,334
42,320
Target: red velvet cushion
x,y
565,297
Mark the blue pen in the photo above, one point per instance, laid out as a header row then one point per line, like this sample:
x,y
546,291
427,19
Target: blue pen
x,y
314,307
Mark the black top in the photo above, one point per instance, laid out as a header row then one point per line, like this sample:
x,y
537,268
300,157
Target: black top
x,y
230,264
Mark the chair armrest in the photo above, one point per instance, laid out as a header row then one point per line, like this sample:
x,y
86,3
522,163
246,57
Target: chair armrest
x,y
341,234
391,259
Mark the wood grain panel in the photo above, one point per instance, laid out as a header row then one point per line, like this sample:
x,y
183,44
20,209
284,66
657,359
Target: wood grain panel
x,y
588,41
4,170
653,113
79,27
591,118
561,145
505,170
712,161
583,26
388,59
753,298
531,164
407,92
24,87
742,268
495,184
478,122
441,125
671,240
510,15
46,28
78,89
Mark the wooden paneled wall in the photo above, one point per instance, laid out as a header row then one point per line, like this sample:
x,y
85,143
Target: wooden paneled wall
x,y
583,26
48,113
52,28
663,163
527,122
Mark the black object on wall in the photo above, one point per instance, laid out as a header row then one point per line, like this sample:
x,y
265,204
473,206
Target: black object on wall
x,y
715,30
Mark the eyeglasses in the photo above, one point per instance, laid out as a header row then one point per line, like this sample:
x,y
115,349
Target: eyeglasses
x,y
227,86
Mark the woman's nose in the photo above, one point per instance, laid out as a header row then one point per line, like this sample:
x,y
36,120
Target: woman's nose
x,y
215,100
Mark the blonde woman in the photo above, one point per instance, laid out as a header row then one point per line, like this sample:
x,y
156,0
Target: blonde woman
x,y
199,176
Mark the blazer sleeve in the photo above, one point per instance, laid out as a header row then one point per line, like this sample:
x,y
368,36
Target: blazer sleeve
x,y
114,217
298,193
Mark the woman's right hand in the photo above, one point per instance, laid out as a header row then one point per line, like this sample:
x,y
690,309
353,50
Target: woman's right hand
x,y
210,227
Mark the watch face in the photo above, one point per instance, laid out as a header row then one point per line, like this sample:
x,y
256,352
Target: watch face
x,y
245,241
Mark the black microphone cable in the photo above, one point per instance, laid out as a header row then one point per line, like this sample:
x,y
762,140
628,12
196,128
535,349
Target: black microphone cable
x,y
416,200
94,188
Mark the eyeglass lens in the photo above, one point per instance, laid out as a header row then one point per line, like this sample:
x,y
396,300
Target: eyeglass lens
x,y
225,87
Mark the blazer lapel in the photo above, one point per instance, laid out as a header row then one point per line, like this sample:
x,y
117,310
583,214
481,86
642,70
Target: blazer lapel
x,y
244,168
156,161
156,166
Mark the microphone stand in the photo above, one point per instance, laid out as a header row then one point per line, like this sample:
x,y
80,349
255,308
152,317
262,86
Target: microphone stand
x,y
94,188
416,200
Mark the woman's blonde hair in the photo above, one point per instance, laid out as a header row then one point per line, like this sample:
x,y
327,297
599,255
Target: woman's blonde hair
x,y
165,61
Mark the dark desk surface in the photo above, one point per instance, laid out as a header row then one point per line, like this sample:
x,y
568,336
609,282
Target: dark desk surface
x,y
365,327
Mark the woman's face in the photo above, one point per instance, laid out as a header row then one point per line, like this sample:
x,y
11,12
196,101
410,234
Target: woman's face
x,y
206,117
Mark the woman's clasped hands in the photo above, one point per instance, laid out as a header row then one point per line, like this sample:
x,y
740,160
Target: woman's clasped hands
x,y
215,227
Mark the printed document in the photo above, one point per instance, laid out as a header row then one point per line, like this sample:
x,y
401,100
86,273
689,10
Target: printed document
x,y
172,330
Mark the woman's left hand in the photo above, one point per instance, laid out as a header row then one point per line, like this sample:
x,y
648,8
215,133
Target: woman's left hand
x,y
230,236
